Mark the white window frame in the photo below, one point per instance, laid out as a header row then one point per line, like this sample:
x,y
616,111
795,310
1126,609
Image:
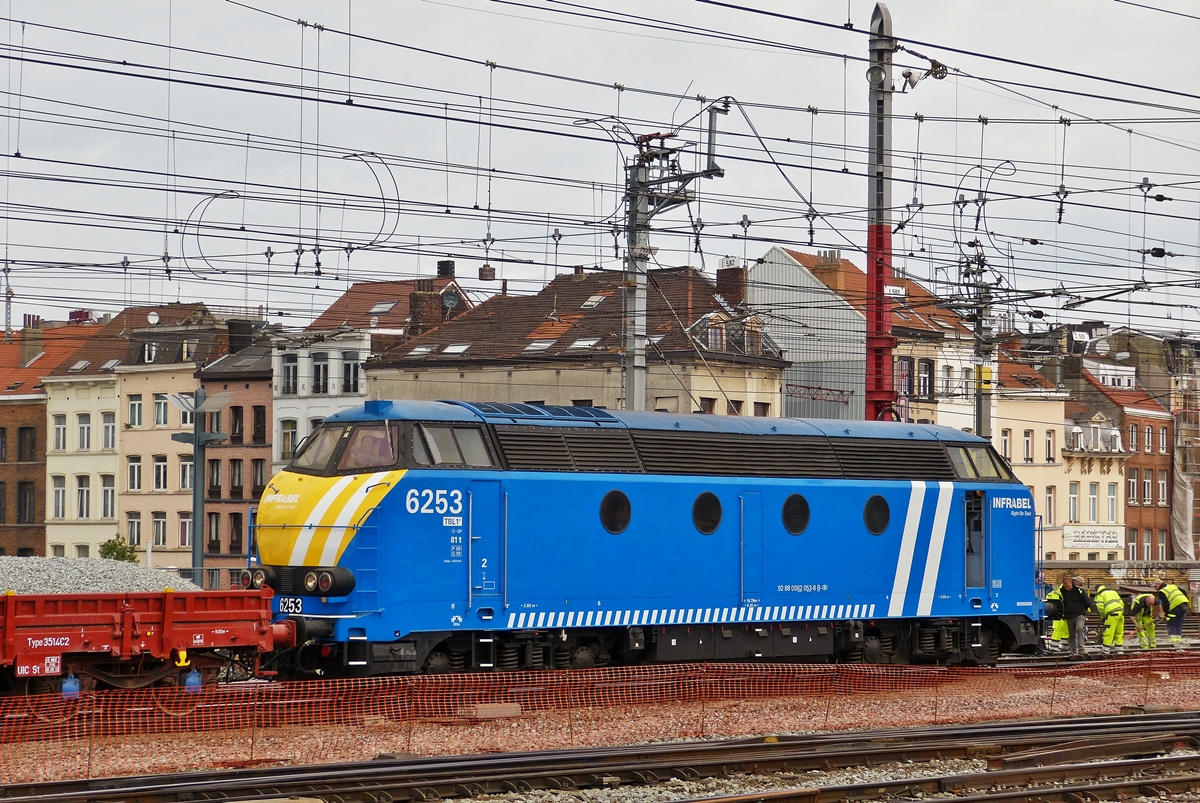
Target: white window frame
x,y
159,462
158,526
60,433
58,483
1048,513
1112,503
83,496
161,410
84,421
1162,488
109,422
108,496
1073,502
1093,502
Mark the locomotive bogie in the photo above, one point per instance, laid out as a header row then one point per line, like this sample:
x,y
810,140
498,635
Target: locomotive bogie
x,y
482,540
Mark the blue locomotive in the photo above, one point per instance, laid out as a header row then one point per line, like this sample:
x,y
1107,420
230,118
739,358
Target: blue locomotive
x,y
413,536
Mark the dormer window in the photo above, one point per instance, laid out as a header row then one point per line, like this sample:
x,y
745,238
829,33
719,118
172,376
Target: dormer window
x,y
189,349
78,366
149,352
716,337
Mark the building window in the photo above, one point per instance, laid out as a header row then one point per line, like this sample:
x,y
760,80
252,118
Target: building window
x,y
60,433
320,372
160,472
26,503
1162,440
235,479
85,431
925,379
3,503
83,497
187,472
237,424
762,409
58,551
133,528
214,476
260,424
291,375
1133,437
214,532
108,496
947,380
26,444
1006,444
1048,514
1072,556
1029,446
1162,488
1133,486
135,472
287,443
1093,501
58,500
160,409
260,476
313,423
733,407
187,418
185,529
349,372
1050,455
1131,544
1147,545
1093,556
235,533
214,578
716,337
1162,544
904,376
82,550
1051,556
109,421
1112,503
158,521
1077,439
1149,439
149,353
3,444
1113,555
1073,503
214,421
135,410
1147,486
1114,441
708,405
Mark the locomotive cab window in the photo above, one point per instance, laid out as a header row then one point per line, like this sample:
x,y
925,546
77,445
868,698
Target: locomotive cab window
x,y
370,446
317,449
450,446
978,462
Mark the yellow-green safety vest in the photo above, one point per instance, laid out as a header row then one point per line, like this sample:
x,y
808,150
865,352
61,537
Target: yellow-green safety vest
x,y
1174,596
1109,602
1146,603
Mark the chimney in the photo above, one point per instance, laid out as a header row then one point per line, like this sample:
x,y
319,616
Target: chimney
x,y
32,321
579,270
424,310
445,269
31,344
731,285
828,269
240,335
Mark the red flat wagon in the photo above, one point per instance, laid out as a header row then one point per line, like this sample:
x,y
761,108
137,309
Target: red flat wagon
x,y
132,640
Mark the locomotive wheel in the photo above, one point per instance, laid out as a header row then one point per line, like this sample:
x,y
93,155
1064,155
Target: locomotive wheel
x,y
437,663
43,698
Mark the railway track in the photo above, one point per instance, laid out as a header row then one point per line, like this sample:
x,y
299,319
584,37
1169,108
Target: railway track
x,y
391,779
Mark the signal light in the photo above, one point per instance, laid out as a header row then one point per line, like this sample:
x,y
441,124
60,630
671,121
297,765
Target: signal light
x,y
259,578
246,578
325,581
310,582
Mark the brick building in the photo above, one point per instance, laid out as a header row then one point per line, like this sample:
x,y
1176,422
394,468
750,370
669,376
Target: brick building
x,y
238,469
36,349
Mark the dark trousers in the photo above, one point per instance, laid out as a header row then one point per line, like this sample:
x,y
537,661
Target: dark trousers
x,y
1175,621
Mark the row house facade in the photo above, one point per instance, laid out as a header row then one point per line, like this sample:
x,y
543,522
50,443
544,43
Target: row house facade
x,y
38,348
1091,511
236,470
318,372
707,353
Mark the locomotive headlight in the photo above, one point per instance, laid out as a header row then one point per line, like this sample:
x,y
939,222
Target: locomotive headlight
x,y
310,582
324,581
246,579
259,578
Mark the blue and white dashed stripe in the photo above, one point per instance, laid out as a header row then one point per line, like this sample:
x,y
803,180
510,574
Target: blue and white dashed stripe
x,y
688,616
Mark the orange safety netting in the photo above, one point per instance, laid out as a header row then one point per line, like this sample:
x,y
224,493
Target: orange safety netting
x,y
121,732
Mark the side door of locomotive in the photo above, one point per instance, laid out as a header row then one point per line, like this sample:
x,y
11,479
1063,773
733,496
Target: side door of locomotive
x,y
487,516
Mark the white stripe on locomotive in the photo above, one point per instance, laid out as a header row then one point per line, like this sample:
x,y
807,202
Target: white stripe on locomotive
x,y
908,544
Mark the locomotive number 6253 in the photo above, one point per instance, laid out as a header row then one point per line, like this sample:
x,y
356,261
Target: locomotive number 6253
x,y
430,501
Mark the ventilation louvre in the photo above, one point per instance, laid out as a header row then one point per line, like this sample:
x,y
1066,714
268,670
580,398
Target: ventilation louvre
x,y
733,454
893,459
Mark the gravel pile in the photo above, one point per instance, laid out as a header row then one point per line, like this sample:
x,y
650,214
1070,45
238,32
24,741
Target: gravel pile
x,y
83,576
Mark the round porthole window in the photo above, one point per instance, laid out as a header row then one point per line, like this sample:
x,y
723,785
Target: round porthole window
x,y
615,512
876,515
706,513
795,514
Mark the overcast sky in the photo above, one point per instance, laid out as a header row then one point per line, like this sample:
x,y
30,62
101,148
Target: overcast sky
x,y
130,148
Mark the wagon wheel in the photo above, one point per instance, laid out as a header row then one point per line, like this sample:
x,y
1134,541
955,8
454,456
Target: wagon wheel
x,y
173,699
43,698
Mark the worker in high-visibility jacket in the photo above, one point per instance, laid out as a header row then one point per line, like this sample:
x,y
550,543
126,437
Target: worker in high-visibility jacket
x,y
1175,603
1058,631
1142,609
1112,610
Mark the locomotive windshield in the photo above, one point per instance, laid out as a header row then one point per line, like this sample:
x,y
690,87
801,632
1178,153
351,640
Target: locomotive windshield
x,y
978,463
348,449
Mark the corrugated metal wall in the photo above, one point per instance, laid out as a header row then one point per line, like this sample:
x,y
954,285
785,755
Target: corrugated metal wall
x,y
823,336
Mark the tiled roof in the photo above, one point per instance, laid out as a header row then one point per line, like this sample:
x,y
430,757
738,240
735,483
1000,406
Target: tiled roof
x,y
1016,375
57,347
250,361
115,343
1137,397
917,310
576,316
387,301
